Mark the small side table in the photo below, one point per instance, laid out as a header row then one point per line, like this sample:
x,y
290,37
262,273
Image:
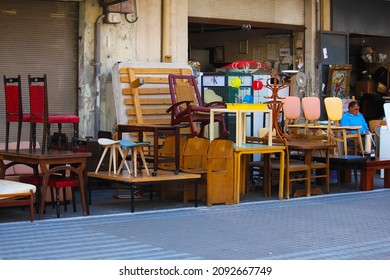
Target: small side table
x,y
240,123
158,130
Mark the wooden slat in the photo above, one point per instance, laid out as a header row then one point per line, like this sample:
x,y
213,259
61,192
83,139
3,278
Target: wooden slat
x,y
147,94
165,71
150,101
143,91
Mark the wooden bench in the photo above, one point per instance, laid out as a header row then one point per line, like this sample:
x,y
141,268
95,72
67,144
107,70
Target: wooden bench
x,y
17,194
142,180
367,172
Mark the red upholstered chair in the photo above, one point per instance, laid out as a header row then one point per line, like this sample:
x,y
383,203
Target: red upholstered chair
x,y
14,108
57,182
187,106
39,112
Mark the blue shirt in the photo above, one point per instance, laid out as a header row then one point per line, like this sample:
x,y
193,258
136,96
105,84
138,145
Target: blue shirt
x,y
351,120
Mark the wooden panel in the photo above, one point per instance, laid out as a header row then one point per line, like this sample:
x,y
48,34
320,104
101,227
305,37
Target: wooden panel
x,y
142,92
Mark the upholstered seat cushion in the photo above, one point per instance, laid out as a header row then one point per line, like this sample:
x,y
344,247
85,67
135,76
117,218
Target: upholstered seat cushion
x,y
11,187
55,181
57,119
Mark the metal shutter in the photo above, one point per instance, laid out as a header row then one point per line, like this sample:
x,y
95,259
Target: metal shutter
x,y
40,37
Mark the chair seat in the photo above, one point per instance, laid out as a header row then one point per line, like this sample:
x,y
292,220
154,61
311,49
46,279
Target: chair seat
x,y
58,119
12,187
55,181
130,144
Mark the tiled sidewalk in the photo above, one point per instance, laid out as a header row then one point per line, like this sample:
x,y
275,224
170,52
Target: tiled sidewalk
x,y
336,226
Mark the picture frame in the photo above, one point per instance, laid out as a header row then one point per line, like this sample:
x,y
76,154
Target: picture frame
x,y
219,54
243,46
338,81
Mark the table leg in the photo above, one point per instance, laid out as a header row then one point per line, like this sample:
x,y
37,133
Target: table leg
x,y
367,179
196,193
281,175
267,175
211,126
45,183
236,184
132,197
81,174
387,178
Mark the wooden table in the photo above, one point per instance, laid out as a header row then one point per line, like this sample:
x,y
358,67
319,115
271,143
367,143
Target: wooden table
x,y
240,169
308,149
58,159
343,162
367,171
143,179
158,130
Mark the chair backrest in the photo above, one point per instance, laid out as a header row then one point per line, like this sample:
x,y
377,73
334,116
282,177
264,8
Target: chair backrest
x,y
220,151
311,108
184,88
38,98
334,108
195,153
13,99
291,107
372,124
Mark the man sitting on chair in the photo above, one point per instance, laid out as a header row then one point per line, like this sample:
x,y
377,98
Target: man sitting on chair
x,y
354,118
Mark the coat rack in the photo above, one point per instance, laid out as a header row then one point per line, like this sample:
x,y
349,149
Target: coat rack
x,y
276,105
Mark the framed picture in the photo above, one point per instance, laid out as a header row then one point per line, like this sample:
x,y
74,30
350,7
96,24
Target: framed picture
x,y
219,55
243,46
338,80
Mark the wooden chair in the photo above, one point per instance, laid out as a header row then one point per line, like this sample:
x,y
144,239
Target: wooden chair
x,y
292,113
168,150
188,108
14,108
39,112
337,133
220,172
59,180
320,168
311,107
295,169
195,161
374,126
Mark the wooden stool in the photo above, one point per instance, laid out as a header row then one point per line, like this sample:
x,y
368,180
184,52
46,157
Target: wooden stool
x,y
136,148
113,146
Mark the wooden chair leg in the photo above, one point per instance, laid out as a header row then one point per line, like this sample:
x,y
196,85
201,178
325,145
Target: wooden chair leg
x,y
123,162
64,199
101,159
57,202
141,152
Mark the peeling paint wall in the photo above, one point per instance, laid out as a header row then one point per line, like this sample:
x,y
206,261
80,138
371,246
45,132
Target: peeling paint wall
x,y
124,41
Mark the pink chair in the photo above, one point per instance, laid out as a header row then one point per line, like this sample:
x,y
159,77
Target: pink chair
x,y
292,113
312,111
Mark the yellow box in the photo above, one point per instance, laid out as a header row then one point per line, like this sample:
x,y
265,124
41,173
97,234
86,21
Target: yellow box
x,y
246,106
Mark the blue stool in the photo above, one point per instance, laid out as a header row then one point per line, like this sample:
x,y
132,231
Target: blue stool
x,y
111,145
136,148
